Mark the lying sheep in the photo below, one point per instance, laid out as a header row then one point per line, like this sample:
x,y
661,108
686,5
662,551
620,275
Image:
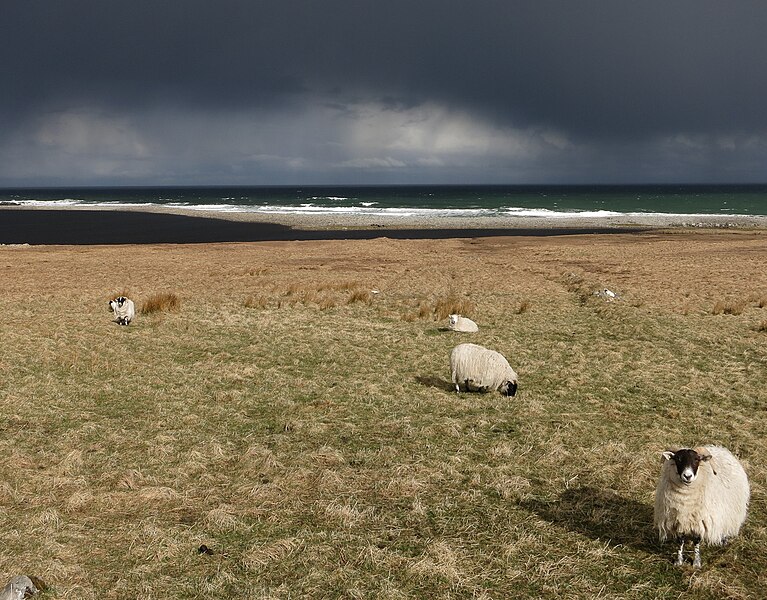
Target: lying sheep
x,y
462,324
123,309
702,495
17,588
478,369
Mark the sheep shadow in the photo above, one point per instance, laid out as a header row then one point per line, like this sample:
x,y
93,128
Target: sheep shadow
x,y
600,514
435,382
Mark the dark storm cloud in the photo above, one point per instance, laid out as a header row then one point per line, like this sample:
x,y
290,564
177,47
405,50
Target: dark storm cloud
x,y
591,76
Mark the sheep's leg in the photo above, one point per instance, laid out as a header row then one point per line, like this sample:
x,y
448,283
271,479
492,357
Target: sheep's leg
x,y
680,554
696,561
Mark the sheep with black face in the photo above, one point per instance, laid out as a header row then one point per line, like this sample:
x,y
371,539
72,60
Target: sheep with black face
x,y
124,310
478,369
702,496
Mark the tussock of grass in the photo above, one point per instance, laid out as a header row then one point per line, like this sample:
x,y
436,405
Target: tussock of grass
x,y
360,296
452,305
440,308
161,302
722,307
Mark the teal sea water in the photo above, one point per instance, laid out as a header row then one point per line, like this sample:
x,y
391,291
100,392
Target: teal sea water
x,y
423,200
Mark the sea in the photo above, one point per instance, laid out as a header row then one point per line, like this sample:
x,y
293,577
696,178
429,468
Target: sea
x,y
546,201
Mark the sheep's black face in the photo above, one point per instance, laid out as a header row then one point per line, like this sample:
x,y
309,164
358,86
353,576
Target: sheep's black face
x,y
687,462
121,301
510,388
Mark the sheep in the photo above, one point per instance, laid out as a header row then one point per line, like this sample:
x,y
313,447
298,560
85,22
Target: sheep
x,y
462,324
124,310
702,495
18,588
481,370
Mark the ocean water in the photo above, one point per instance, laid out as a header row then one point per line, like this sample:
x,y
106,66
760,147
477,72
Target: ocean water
x,y
421,201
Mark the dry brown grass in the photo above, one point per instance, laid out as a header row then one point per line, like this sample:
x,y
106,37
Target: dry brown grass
x,y
452,305
361,297
728,307
328,457
259,301
161,302
438,309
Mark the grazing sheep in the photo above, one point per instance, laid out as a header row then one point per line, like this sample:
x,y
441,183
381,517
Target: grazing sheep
x,y
462,324
123,309
17,588
481,370
702,495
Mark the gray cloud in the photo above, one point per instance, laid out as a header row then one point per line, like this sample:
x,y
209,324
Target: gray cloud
x,y
337,91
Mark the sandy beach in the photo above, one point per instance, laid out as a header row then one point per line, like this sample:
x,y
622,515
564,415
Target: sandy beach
x,y
104,225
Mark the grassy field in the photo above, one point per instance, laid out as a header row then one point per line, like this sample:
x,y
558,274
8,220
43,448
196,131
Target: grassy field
x,y
303,428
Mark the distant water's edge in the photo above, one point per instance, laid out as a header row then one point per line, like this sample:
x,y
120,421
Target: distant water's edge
x,y
626,203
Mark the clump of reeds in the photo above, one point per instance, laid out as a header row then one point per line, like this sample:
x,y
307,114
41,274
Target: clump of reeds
x,y
441,308
452,305
161,302
734,307
361,296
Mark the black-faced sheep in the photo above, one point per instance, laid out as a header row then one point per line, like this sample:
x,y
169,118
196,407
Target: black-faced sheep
x,y
462,324
124,310
478,369
702,495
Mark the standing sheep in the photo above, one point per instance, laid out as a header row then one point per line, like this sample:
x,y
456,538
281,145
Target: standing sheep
x,y
462,324
123,309
702,495
481,370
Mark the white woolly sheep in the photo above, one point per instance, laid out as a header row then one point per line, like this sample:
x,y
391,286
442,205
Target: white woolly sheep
x,y
462,324
18,588
124,310
702,495
478,369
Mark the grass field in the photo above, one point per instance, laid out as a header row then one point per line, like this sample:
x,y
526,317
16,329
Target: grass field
x,y
293,413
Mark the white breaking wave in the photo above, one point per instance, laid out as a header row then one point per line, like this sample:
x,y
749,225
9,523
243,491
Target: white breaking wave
x,y
366,208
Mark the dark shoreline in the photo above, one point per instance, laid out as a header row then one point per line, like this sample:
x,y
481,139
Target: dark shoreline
x,y
92,227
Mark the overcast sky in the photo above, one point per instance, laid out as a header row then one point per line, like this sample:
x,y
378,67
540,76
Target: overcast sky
x,y
148,92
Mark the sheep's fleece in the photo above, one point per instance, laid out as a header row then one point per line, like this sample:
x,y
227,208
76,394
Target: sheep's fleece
x,y
462,324
481,370
713,507
124,309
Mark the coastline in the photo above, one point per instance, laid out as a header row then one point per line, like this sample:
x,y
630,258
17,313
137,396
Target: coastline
x,y
84,225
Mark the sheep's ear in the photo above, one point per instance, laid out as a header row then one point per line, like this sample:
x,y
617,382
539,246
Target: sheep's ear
x,y
668,455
